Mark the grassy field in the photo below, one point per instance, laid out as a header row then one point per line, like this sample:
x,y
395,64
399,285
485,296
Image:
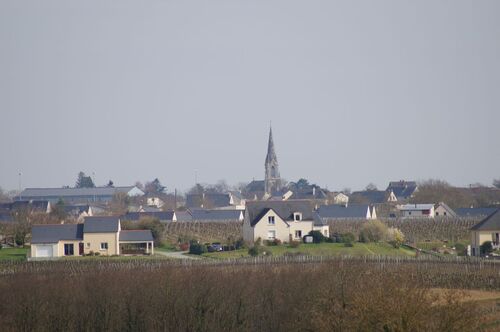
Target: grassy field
x,y
17,254
322,249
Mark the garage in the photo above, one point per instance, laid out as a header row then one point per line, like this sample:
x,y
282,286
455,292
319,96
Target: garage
x,y
44,251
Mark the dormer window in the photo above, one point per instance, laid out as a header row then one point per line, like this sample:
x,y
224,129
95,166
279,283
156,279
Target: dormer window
x,y
297,216
270,220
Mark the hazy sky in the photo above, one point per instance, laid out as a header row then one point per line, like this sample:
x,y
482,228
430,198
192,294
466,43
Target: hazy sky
x,y
357,91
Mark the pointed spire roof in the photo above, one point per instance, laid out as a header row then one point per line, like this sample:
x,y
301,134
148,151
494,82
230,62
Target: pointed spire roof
x,y
271,153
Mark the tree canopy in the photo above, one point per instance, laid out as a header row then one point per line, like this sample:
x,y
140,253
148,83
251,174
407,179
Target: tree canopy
x,y
84,181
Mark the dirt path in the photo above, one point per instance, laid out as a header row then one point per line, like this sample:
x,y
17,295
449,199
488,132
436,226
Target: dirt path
x,y
176,254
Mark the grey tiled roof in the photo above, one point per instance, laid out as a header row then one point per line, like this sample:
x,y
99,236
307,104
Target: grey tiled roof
x,y
183,216
64,192
284,209
101,224
6,217
474,212
402,189
341,212
162,215
55,233
136,235
215,215
490,223
212,199
370,196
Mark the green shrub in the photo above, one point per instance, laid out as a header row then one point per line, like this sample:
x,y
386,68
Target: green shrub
x,y
294,244
254,251
317,236
347,238
275,242
460,249
348,244
486,248
196,248
373,231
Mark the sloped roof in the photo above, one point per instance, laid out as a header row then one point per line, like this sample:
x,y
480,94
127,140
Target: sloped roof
x,y
416,207
136,235
39,205
6,217
353,211
371,196
402,189
284,209
474,212
448,209
101,224
212,199
68,192
56,233
183,216
215,215
490,223
161,215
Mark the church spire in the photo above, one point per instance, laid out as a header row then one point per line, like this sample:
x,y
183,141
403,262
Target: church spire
x,y
272,180
271,153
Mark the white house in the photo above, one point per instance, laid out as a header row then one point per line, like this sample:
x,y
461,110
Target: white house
x,y
283,220
417,211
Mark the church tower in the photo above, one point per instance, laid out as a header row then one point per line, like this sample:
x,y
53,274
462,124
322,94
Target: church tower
x,y
272,181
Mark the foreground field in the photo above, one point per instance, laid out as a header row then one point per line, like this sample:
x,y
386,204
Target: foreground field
x,y
355,294
321,249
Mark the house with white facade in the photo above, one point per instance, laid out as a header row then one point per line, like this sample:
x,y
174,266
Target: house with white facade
x,y
417,211
97,235
286,221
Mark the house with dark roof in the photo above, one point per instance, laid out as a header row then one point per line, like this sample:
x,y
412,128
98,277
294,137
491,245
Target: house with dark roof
x,y
162,216
77,195
102,235
474,212
442,210
369,197
487,229
401,190
352,211
209,200
283,220
217,215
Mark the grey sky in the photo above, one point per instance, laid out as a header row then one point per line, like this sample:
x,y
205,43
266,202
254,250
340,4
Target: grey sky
x,y
357,91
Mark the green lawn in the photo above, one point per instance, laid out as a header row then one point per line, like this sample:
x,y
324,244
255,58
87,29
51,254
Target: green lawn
x,y
322,249
17,254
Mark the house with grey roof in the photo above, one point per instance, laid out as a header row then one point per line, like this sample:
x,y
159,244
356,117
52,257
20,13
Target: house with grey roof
x,y
352,211
401,190
162,216
77,195
417,211
214,215
474,212
487,229
96,235
442,210
282,220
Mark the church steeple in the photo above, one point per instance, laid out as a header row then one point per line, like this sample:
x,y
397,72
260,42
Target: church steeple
x,y
272,179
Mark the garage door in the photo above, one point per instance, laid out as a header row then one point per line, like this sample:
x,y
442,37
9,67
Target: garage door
x,y
43,251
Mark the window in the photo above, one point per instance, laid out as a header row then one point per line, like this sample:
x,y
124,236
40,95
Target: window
x,y
104,246
444,213
298,234
270,220
297,216
88,244
69,249
271,235
437,213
